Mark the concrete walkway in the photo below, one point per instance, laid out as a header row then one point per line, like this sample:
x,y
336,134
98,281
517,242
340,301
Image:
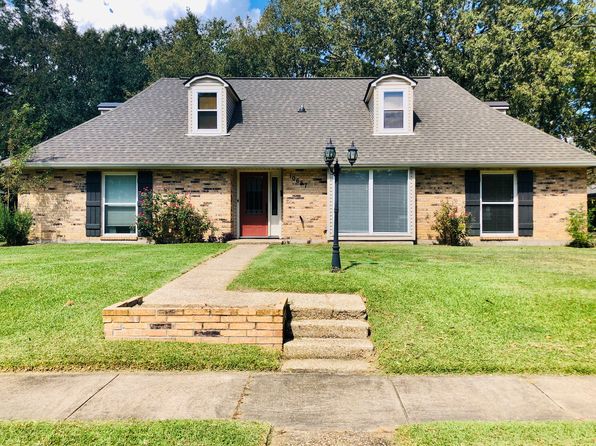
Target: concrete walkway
x,y
208,279
298,402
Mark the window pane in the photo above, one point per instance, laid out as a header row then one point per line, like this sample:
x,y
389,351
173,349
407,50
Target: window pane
x,y
254,195
120,220
497,187
274,194
394,100
207,101
353,201
390,201
394,119
121,189
497,218
207,119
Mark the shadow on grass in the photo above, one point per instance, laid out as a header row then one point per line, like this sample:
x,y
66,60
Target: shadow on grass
x,y
354,263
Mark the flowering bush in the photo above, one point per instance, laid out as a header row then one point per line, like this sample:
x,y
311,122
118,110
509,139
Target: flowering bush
x,y
577,228
451,225
171,218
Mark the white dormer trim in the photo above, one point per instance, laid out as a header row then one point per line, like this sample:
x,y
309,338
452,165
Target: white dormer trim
x,y
395,77
226,97
375,100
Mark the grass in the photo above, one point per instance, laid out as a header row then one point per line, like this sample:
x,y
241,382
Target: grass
x,y
40,330
497,434
134,433
440,310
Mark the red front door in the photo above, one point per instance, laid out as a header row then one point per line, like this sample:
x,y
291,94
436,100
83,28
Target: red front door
x,y
254,221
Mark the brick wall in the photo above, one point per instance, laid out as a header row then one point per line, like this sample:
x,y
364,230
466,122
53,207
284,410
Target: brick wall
x,y
59,208
555,192
433,186
304,204
209,189
133,321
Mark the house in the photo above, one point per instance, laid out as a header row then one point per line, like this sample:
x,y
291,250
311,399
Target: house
x,y
250,152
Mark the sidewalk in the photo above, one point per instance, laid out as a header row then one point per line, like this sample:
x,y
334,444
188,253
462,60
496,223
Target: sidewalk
x,y
302,402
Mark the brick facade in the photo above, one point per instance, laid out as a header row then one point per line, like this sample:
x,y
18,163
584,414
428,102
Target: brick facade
x,y
59,209
209,189
556,191
432,187
304,205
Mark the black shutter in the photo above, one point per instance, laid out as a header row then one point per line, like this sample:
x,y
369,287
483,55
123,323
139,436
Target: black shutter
x,y
145,184
472,188
525,203
93,220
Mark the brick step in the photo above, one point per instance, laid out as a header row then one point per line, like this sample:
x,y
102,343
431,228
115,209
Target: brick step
x,y
327,366
330,328
328,348
326,306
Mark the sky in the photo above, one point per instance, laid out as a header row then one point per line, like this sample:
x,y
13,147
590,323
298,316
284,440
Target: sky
x,y
103,14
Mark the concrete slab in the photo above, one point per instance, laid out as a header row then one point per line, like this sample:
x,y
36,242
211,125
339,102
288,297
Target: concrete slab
x,y
42,396
317,402
482,398
216,299
166,396
296,438
214,274
326,306
575,394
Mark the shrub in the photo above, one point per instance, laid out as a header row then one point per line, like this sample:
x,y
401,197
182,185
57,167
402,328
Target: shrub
x,y
171,218
592,215
15,226
577,228
451,225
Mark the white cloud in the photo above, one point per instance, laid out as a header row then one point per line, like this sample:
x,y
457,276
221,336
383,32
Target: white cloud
x,y
103,14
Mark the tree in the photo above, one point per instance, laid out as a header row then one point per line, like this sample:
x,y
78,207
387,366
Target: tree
x,y
190,46
23,134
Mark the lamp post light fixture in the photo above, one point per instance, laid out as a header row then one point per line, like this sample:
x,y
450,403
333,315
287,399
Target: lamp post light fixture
x,y
335,169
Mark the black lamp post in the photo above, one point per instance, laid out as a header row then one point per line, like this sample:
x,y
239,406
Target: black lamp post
x,y
330,156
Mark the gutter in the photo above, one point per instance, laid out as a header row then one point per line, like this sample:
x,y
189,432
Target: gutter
x,y
100,165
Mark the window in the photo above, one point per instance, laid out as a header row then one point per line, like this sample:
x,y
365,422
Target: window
x,y
274,196
373,202
498,211
206,111
393,110
120,203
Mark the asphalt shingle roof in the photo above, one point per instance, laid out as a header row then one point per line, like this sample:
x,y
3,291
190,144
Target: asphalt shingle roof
x,y
452,128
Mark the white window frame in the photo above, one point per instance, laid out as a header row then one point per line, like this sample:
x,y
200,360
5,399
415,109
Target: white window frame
x,y
514,202
406,91
195,110
371,233
104,203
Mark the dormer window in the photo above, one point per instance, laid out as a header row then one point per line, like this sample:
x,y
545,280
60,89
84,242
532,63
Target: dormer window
x,y
211,104
206,111
393,110
390,100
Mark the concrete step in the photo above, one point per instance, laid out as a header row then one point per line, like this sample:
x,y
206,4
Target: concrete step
x,y
326,306
330,328
328,348
327,365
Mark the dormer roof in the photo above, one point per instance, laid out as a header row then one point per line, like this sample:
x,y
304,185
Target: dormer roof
x,y
391,76
214,77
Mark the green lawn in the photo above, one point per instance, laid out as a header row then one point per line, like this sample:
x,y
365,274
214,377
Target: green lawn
x,y
437,309
497,434
40,331
134,433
